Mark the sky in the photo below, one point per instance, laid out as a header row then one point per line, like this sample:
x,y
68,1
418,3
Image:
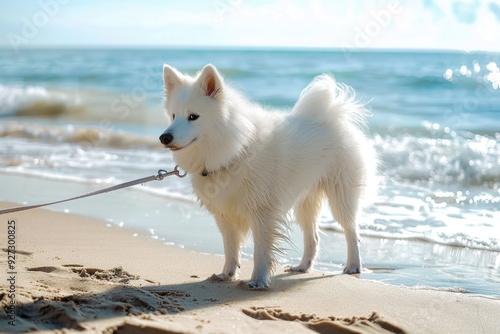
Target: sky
x,y
396,24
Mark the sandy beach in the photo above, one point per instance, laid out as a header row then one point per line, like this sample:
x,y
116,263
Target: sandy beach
x,y
80,274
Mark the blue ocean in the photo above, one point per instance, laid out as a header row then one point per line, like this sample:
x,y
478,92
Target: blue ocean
x,y
81,119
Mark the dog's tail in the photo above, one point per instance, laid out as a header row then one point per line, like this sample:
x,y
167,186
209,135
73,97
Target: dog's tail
x,y
326,100
329,102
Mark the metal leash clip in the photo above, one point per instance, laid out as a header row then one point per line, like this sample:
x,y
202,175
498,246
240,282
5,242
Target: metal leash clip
x,y
163,173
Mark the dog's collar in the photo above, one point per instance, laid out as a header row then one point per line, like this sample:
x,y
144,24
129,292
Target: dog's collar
x,y
223,168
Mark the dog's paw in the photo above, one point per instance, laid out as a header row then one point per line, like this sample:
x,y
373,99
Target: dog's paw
x,y
297,269
222,278
254,285
352,270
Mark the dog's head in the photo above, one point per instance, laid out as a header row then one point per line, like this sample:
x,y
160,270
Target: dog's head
x,y
192,104
208,129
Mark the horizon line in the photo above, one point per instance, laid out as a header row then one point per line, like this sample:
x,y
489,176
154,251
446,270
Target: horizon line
x,y
244,48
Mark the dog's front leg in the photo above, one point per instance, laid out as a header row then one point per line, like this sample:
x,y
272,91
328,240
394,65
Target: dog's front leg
x,y
265,231
233,232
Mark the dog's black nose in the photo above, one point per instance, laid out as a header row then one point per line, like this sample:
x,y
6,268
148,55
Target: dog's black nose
x,y
166,138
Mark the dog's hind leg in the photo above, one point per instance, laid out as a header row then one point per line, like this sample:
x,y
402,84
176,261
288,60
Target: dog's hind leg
x,y
234,231
344,195
307,213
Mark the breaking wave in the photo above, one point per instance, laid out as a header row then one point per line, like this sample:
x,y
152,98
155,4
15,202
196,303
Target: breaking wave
x,y
36,101
440,155
432,154
93,136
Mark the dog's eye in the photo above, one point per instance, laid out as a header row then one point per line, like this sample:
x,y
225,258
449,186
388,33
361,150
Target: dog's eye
x,y
193,117
173,117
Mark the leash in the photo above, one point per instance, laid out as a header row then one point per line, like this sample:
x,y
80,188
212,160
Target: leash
x,y
158,177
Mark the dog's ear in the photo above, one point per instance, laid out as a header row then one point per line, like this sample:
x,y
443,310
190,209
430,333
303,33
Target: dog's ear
x,y
171,78
210,81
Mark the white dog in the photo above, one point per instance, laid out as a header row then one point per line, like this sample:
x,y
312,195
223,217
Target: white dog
x,y
250,166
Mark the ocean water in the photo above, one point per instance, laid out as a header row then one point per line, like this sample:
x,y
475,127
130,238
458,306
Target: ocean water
x,y
92,118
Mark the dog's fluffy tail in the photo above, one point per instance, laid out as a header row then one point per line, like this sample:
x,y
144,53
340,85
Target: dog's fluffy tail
x,y
329,102
326,100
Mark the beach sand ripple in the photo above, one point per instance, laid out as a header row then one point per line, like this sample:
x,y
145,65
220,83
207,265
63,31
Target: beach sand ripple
x,y
332,325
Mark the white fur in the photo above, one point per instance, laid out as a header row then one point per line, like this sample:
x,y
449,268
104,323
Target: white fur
x,y
262,163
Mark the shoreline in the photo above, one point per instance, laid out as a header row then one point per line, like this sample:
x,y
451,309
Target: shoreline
x,y
393,261
68,277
